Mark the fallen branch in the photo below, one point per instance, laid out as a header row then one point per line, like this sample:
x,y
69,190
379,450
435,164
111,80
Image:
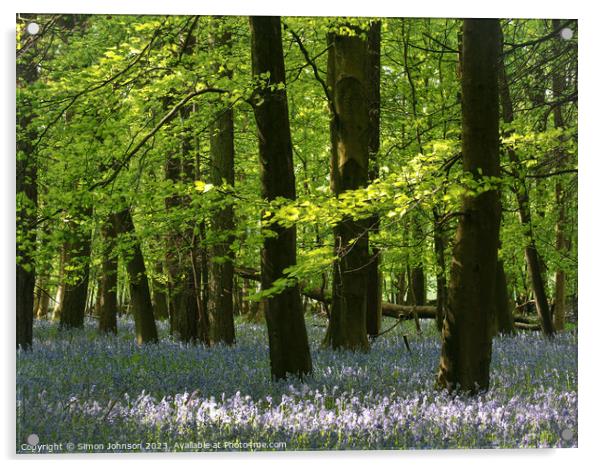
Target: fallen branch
x,y
400,312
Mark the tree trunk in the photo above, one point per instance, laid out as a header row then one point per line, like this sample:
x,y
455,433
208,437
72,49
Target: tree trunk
x,y
439,241
60,289
142,306
349,124
402,287
466,347
418,285
27,201
77,261
107,293
503,320
289,347
522,196
203,285
182,303
42,301
374,287
160,299
221,304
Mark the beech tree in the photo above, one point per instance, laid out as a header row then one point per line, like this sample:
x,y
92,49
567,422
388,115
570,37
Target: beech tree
x,y
221,305
27,198
466,346
289,348
349,126
142,306
107,320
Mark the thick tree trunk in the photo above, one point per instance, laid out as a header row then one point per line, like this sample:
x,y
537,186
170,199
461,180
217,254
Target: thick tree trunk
x,y
466,347
221,303
522,196
142,307
27,201
289,348
374,287
349,124
107,293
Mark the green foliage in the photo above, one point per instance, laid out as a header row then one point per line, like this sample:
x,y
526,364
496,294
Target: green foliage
x,y
106,81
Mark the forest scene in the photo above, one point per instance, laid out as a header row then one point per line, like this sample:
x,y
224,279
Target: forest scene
x,y
275,233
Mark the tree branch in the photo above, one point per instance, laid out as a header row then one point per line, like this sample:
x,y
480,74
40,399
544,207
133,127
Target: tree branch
x,y
118,165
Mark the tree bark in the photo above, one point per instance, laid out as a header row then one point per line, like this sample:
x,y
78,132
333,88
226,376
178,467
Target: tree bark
x,y
77,259
221,304
27,201
142,306
349,125
522,196
402,287
202,280
418,285
466,346
503,314
289,347
60,289
160,296
42,297
107,293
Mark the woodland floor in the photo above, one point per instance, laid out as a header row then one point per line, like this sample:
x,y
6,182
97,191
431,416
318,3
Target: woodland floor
x,y
76,388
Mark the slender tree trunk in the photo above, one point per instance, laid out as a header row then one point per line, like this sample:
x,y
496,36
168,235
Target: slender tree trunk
x,y
182,302
246,288
402,287
142,306
374,287
349,124
203,284
107,293
221,304
60,289
289,347
42,302
27,201
522,196
466,347
503,321
440,241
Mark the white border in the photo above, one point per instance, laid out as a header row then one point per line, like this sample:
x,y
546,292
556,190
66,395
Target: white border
x,y
590,181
